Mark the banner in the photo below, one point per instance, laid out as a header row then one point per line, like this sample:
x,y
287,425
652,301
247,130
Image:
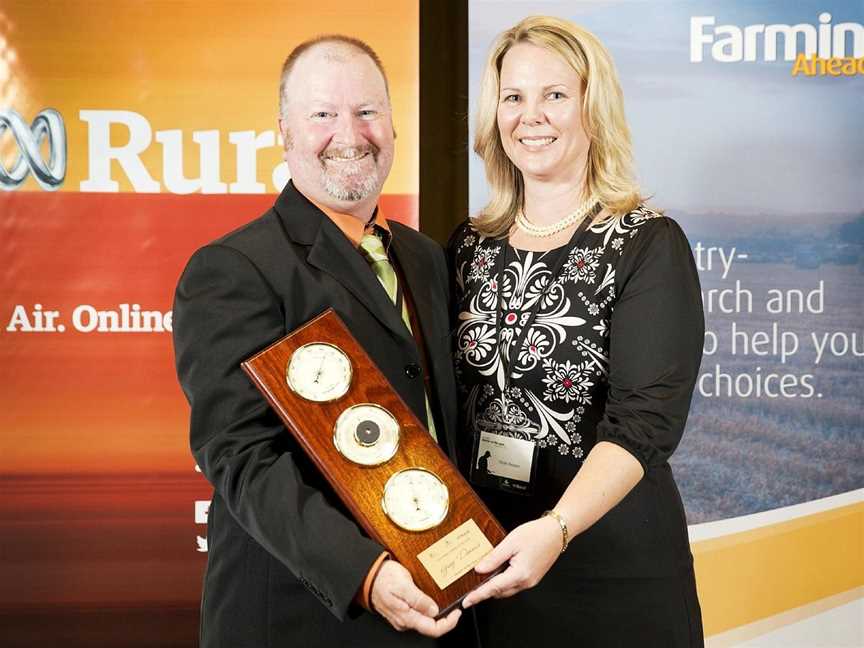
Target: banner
x,y
745,121
132,133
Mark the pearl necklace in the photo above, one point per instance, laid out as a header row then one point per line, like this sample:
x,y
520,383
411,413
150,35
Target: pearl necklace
x,y
576,216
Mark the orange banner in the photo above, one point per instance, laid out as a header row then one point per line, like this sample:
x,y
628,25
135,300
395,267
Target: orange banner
x,y
149,90
132,133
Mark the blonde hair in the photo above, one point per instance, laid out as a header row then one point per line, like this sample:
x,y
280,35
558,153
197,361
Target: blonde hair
x,y
609,176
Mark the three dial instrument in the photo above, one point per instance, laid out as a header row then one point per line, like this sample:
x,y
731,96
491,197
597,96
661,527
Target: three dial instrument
x,y
414,499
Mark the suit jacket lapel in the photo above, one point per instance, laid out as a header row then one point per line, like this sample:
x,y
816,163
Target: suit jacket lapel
x,y
416,270
432,314
331,252
334,254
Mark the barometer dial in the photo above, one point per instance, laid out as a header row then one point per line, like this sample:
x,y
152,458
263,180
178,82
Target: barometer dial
x,y
416,499
366,434
319,372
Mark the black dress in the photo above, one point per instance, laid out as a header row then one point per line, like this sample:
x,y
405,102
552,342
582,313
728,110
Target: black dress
x,y
611,352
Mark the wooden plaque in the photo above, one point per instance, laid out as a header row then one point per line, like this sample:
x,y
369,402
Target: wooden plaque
x,y
454,545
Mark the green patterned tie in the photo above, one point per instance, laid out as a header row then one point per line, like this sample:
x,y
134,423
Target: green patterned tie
x,y
373,249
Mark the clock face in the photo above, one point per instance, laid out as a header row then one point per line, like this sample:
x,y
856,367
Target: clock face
x,y
416,499
319,372
366,434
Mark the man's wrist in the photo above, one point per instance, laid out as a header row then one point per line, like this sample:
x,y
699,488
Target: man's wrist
x,y
364,595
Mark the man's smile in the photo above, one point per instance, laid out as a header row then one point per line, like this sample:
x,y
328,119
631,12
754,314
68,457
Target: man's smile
x,y
347,155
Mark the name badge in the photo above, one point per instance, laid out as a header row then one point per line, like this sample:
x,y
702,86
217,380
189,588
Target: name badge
x,y
502,462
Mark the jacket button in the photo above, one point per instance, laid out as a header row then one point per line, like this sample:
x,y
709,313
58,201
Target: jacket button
x,y
412,370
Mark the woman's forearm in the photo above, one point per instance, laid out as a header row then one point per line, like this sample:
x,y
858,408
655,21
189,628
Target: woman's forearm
x,y
607,475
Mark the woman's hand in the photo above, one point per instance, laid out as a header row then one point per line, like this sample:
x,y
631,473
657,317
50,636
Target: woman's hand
x,y
531,548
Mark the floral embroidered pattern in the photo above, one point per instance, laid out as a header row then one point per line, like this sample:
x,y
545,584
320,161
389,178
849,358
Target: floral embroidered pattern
x,y
581,265
482,264
537,345
478,342
544,390
567,381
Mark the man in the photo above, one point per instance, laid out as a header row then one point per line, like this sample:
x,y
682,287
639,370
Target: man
x,y
284,556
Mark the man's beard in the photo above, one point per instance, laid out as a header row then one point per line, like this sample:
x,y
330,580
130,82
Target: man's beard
x,y
348,181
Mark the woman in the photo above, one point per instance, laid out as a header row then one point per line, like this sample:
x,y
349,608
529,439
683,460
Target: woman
x,y
579,336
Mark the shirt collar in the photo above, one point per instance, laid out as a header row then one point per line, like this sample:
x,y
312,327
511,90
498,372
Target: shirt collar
x,y
354,229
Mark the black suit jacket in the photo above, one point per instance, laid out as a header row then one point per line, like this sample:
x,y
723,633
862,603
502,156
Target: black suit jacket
x,y
285,559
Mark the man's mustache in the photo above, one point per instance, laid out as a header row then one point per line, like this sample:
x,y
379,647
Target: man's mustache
x,y
349,152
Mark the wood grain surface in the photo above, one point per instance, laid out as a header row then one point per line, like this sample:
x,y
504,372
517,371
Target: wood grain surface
x,y
361,487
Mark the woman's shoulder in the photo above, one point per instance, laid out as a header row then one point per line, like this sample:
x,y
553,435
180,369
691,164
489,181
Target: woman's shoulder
x,y
656,229
626,222
459,234
630,233
644,238
464,239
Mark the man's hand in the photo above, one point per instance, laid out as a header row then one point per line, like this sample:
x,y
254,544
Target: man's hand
x,y
395,597
531,548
